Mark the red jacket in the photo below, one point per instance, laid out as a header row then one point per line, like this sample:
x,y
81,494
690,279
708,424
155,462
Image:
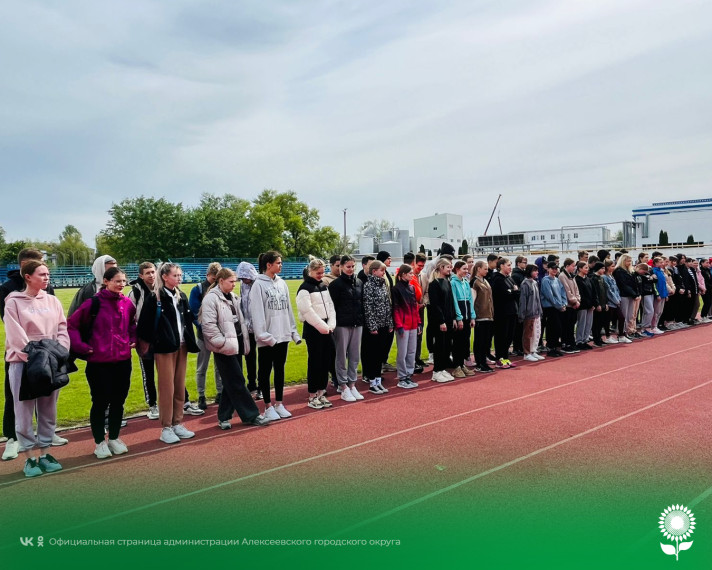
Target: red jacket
x,y
405,306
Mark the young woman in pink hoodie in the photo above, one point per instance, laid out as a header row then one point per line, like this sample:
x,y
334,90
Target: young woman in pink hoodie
x,y
32,314
108,355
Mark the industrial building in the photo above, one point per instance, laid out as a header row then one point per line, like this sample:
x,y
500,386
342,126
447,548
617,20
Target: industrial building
x,y
678,220
430,232
564,238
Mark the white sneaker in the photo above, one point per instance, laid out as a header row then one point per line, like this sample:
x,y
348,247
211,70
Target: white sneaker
x,y
445,374
442,377
538,356
610,340
182,432
346,395
192,409
656,330
430,360
57,440
271,414
168,436
117,447
11,450
102,450
355,393
530,358
152,413
282,411
624,340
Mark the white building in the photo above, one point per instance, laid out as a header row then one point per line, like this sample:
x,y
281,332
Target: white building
x,y
565,238
432,231
678,219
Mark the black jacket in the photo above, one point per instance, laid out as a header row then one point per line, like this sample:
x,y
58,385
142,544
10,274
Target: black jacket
x,y
677,280
14,283
441,309
347,295
519,276
46,369
647,281
627,283
164,336
587,290
689,279
504,295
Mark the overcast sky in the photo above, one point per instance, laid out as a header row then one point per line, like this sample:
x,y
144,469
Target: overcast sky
x,y
576,112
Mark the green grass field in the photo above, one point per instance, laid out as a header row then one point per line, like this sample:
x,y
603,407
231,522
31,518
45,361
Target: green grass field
x,y
75,401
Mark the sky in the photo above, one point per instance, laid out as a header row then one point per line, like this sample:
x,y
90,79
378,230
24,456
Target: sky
x,y
575,111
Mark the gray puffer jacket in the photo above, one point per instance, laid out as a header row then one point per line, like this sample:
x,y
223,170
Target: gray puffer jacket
x,y
220,324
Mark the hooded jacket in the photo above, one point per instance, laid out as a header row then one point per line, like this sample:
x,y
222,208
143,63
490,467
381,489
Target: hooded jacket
x,y
30,318
137,295
573,295
589,297
271,309
406,314
14,282
114,329
315,307
165,336
223,323
529,301
347,294
246,271
98,269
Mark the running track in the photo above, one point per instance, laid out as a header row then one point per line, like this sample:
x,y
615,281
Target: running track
x,y
564,463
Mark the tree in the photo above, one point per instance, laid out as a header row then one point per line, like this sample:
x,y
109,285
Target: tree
x,y
663,238
72,249
143,228
421,249
301,234
218,227
463,248
690,240
10,251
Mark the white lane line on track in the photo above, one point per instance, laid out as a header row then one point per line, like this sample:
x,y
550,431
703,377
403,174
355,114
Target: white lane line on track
x,y
381,438
348,448
534,453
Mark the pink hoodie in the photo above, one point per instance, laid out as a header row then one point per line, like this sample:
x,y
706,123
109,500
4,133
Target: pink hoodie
x,y
32,318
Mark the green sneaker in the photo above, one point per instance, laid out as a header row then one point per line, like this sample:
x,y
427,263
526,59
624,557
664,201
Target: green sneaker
x,y
49,464
31,468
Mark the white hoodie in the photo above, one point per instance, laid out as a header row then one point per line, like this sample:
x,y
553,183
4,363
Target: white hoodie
x,y
271,311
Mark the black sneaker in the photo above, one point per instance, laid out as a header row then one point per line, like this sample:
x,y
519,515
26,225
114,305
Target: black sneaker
x,y
555,353
543,349
375,389
584,346
516,353
420,363
257,395
418,370
202,403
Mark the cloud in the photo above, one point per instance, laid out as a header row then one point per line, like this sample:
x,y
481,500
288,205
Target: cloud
x,y
573,111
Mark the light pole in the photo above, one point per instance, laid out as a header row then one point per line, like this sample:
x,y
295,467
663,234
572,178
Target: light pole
x,y
344,249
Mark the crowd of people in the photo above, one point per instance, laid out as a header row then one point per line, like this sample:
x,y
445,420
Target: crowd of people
x,y
549,308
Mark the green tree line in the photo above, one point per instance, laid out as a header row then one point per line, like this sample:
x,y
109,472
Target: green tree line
x,y
219,226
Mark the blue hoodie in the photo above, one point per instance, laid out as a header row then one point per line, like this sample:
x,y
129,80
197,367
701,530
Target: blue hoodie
x,y
661,284
553,295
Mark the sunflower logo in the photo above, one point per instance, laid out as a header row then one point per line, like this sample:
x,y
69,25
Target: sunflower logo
x,y
677,523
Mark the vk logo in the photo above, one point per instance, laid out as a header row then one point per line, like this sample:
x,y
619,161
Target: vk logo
x,y
27,541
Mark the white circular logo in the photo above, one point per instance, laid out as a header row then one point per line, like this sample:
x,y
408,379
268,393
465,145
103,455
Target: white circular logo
x,y
677,523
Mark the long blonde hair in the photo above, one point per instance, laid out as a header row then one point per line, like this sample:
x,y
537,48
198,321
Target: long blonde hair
x,y
622,259
442,262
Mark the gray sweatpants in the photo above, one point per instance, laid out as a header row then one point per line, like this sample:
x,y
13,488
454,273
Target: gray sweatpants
x,y
45,407
348,353
648,310
584,322
202,369
627,308
405,361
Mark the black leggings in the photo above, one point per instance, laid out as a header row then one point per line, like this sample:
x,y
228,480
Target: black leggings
x,y
482,344
553,327
269,357
235,396
461,344
373,349
321,354
251,363
503,334
109,385
148,374
442,349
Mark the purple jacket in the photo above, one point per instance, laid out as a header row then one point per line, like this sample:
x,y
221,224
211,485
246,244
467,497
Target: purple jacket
x,y
114,328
